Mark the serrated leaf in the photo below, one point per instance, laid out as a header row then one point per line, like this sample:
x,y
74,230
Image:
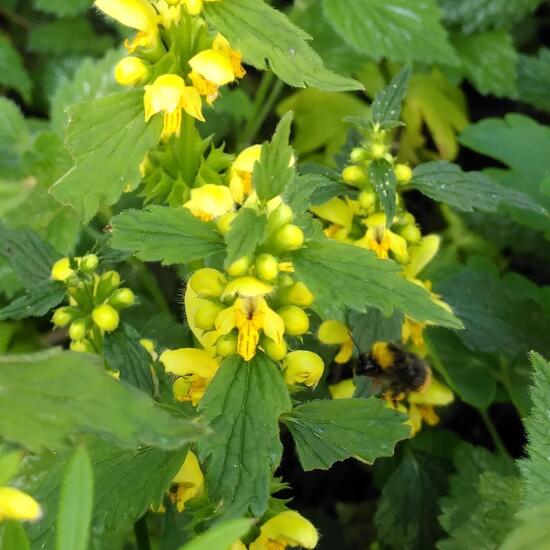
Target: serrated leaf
x,y
169,235
363,281
15,139
36,302
386,107
264,35
534,79
247,231
275,170
108,138
328,431
219,535
243,405
60,391
533,532
383,179
63,7
373,326
75,503
396,29
12,72
124,354
468,191
406,516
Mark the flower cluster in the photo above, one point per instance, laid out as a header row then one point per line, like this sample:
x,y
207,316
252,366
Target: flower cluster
x,y
174,57
94,301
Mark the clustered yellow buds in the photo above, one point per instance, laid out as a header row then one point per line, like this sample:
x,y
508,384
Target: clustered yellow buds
x,y
94,302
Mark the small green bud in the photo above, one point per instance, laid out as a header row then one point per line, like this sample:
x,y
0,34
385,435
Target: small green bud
x,y
108,283
282,215
239,267
121,298
354,175
206,315
367,200
403,173
62,316
227,345
358,154
277,352
208,283
89,263
411,233
106,317
295,319
78,329
267,267
298,294
378,150
289,237
83,346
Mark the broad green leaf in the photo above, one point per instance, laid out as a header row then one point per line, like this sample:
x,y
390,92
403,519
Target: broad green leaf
x,y
373,326
386,107
9,463
328,431
445,182
383,179
220,536
37,301
248,230
108,138
243,405
266,37
488,61
29,256
534,79
124,354
406,515
63,7
535,469
12,72
396,29
533,532
60,391
362,280
169,235
13,537
75,503
15,139
275,169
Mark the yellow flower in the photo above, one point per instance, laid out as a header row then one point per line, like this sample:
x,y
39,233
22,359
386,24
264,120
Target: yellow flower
x,y
248,287
195,367
210,202
343,389
303,367
194,7
241,172
286,529
61,270
249,316
336,333
422,254
188,482
413,331
170,94
335,211
421,404
381,240
16,505
131,71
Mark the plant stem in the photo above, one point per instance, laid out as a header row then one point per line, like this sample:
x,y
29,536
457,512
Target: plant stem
x,y
493,432
142,534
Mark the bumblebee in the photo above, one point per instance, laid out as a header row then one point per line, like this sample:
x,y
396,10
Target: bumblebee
x,y
399,370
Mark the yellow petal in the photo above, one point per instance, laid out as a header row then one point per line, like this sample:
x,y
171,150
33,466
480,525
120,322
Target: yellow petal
x,y
192,103
210,201
287,528
192,304
303,367
345,353
214,66
342,390
186,361
333,333
273,324
246,160
436,394
336,211
16,505
398,245
247,287
422,254
61,270
190,480
136,14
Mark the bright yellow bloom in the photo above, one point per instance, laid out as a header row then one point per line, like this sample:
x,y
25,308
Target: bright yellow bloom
x,y
241,172
170,95
381,240
336,333
286,529
343,389
195,367
421,404
16,505
194,7
61,270
210,201
413,331
131,71
189,482
248,287
250,316
335,211
422,254
303,367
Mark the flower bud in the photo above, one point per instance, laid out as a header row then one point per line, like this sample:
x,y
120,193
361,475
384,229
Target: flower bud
x,y
78,329
367,199
276,351
89,263
131,71
298,295
224,222
303,367
193,7
295,319
62,316
354,175
239,267
84,346
333,332
108,283
403,173
61,270
282,215
411,233
407,219
106,317
206,315
267,267
121,298
378,150
227,345
207,283
358,154
289,237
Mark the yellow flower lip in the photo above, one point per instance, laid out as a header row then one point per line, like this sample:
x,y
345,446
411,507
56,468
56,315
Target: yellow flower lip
x,y
189,361
210,201
333,333
303,367
136,14
435,394
288,528
213,66
61,270
247,287
17,505
190,481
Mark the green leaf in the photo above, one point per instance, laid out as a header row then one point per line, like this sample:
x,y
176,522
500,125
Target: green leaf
x,y
63,7
14,537
386,107
533,532
60,391
328,431
488,61
220,536
12,72
535,470
29,256
383,179
36,302
248,230
264,35
15,139
396,29
76,502
373,326
406,516
9,464
124,353
363,281
108,138
242,405
161,233
274,171
445,182
534,79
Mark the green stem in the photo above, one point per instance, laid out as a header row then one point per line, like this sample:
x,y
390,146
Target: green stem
x,y
142,534
493,432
